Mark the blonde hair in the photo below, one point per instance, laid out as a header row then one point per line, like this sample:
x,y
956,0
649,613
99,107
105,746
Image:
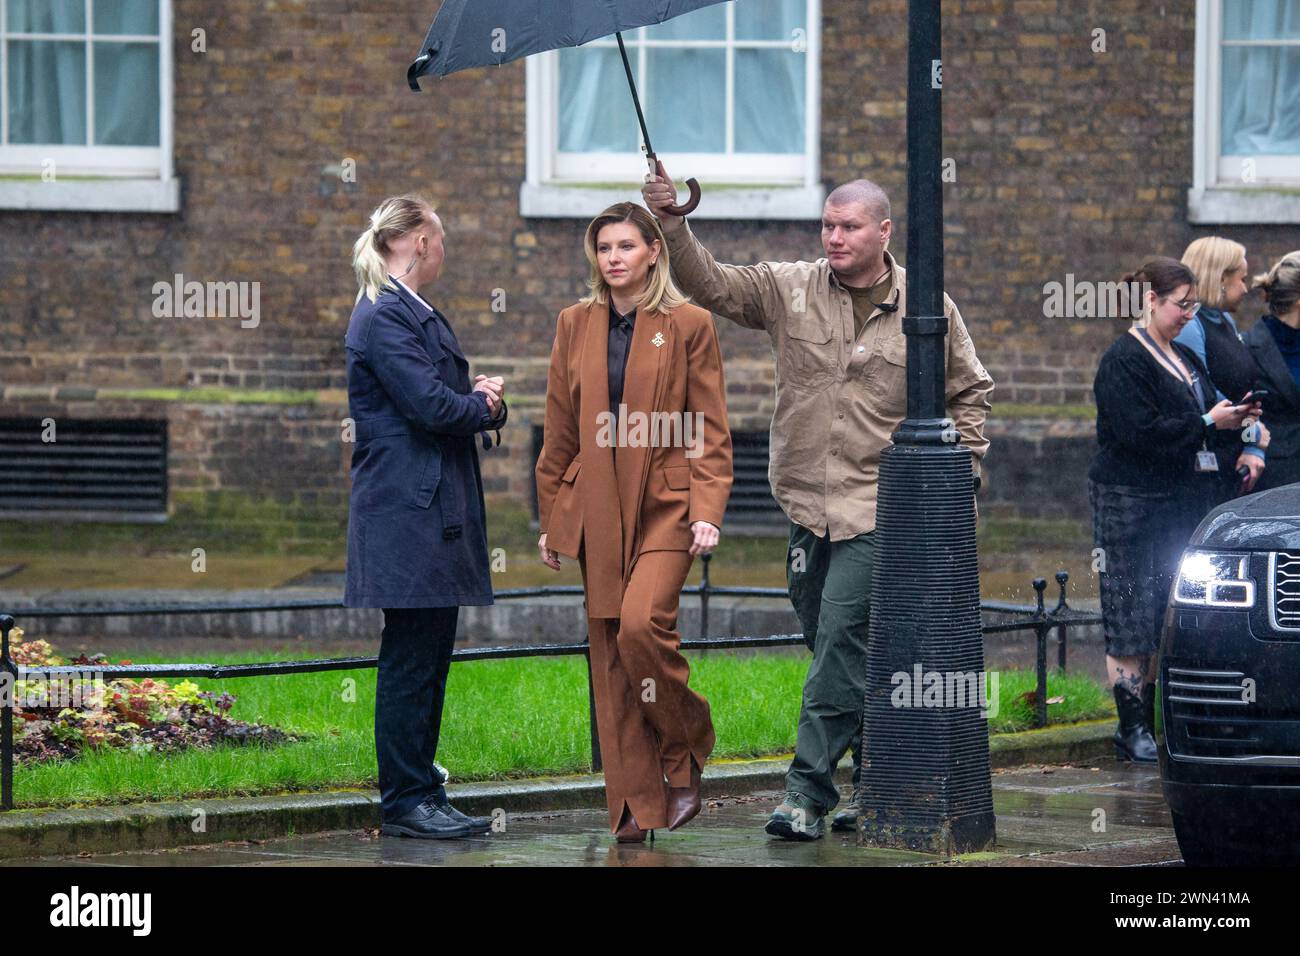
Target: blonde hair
x,y
660,293
392,219
1213,259
1281,284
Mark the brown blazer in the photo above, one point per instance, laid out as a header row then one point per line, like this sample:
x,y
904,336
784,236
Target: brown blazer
x,y
647,496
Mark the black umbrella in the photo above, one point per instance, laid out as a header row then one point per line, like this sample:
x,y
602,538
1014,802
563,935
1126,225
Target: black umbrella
x,y
470,33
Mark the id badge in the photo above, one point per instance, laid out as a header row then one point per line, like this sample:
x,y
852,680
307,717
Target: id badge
x,y
1205,461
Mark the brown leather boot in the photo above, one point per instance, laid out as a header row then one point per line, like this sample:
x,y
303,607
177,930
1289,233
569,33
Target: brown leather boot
x,y
684,802
628,831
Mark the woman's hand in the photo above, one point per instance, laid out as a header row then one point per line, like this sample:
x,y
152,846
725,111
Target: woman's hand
x,y
1229,416
493,389
1256,466
1262,436
706,537
549,558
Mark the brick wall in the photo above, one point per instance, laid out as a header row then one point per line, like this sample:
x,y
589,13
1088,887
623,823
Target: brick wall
x,y
1067,161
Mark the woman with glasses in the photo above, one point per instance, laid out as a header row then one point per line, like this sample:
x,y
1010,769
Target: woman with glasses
x,y
1220,268
1154,477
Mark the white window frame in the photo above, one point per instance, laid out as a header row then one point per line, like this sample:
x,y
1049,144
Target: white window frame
x,y
94,178
1218,193
764,186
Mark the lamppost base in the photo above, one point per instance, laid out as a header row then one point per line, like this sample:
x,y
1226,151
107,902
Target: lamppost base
x,y
974,833
925,773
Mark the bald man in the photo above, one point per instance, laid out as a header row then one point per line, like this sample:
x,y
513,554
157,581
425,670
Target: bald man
x,y
841,391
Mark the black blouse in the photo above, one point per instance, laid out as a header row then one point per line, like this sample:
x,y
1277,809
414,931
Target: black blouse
x,y
620,344
1149,425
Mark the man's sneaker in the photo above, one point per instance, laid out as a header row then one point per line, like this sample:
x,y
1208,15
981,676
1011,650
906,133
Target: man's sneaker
x,y
797,818
847,819
427,822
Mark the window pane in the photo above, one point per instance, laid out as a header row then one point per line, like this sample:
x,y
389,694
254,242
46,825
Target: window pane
x,y
126,94
1261,111
47,92
770,19
707,24
596,112
139,17
1261,20
47,16
769,101
684,100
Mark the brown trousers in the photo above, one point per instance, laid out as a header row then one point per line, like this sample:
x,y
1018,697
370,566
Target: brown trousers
x,y
651,724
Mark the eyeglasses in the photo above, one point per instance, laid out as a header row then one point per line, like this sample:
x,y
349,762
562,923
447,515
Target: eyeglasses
x,y
1189,305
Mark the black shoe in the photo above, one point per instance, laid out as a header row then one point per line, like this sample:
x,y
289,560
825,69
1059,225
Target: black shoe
x,y
427,822
1133,740
439,799
476,824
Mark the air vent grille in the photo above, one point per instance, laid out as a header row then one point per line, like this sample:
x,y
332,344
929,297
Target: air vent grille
x,y
111,469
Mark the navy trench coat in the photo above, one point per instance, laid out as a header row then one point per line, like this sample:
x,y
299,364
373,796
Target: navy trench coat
x,y
417,529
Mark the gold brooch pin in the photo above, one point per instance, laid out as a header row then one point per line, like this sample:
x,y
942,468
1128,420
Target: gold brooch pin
x,y
658,340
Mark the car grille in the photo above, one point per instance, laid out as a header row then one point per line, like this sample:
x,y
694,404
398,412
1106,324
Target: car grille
x,y
1286,590
1213,688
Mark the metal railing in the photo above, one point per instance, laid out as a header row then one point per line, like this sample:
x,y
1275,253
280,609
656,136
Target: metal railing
x,y
1031,618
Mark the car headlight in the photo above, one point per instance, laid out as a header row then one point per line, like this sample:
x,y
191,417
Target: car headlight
x,y
1214,579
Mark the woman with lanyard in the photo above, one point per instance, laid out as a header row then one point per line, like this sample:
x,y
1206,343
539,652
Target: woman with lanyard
x,y
1154,477
1219,265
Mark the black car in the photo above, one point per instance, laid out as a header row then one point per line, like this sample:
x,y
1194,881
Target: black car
x,y
1230,685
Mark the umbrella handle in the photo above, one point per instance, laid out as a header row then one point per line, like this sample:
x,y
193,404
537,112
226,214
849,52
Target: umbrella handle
x,y
681,209
688,207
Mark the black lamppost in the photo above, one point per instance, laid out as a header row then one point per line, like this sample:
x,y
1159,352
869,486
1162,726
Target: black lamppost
x,y
925,754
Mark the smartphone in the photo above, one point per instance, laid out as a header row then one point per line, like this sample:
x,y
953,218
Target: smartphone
x,y
1244,474
1258,395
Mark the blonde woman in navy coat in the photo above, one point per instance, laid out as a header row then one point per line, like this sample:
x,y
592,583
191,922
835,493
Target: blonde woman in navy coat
x,y
417,530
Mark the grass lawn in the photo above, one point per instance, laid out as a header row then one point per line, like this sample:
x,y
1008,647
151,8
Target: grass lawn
x,y
503,719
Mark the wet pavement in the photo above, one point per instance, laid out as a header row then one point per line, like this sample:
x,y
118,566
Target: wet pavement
x,y
1102,814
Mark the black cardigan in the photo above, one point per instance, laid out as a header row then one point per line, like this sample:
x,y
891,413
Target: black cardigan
x,y
1149,427
1282,406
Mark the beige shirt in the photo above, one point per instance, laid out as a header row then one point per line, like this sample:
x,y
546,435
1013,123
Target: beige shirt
x,y
838,399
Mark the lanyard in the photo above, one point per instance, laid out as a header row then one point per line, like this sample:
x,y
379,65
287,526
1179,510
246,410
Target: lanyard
x,y
1164,360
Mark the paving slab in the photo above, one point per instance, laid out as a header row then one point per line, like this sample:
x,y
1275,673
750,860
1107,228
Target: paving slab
x,y
34,833
1046,816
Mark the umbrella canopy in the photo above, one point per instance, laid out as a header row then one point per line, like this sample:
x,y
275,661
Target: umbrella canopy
x,y
470,33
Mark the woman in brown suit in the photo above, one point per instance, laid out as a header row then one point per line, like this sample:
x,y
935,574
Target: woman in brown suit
x,y
632,481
